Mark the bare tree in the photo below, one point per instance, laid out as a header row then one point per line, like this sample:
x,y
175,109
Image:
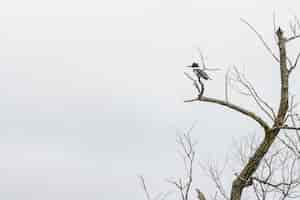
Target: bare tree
x,y
284,120
182,184
269,167
188,154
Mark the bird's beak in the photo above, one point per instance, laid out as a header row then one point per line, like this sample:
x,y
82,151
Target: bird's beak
x,y
189,66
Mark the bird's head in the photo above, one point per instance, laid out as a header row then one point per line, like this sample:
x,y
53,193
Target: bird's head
x,y
194,65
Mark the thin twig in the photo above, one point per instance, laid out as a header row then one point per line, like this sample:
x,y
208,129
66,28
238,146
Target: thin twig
x,y
261,39
144,186
241,78
294,64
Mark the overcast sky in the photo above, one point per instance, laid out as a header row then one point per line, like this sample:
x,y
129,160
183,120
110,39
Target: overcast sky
x,y
91,92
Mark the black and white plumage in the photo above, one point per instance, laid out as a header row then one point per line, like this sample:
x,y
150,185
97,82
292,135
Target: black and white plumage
x,y
200,73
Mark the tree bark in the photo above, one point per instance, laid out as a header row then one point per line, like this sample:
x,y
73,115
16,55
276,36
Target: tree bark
x,y
252,165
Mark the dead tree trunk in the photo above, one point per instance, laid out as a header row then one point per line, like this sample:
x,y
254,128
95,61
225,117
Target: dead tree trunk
x,y
270,134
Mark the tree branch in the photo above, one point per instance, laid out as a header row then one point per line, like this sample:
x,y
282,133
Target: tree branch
x,y
248,113
262,104
261,39
292,38
144,186
293,66
288,128
284,96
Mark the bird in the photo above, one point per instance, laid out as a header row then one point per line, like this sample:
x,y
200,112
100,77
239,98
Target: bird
x,y
200,73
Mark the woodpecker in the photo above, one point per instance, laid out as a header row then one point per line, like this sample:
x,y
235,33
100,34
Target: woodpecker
x,y
200,73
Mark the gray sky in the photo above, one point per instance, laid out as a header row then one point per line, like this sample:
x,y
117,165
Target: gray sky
x,y
91,92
